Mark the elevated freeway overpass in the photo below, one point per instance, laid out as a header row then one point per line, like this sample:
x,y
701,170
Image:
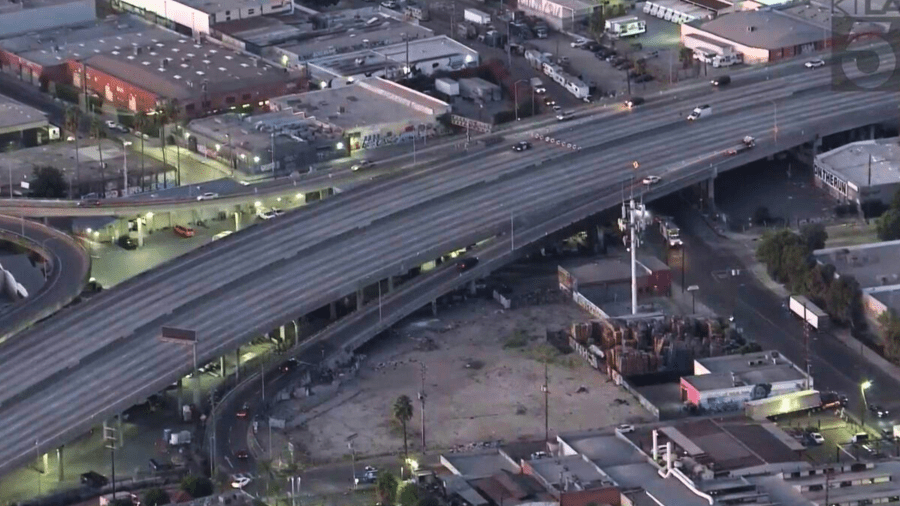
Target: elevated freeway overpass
x,y
94,360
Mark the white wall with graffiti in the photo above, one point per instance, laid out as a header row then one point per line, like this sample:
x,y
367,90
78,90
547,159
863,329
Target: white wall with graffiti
x,y
388,134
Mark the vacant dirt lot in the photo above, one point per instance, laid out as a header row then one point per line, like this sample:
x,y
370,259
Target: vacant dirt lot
x,y
484,371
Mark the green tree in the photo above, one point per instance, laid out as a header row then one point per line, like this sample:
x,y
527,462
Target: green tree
x,y
155,497
890,325
429,500
888,225
686,57
197,486
843,299
597,23
818,281
98,133
72,121
386,488
408,495
403,412
48,182
814,235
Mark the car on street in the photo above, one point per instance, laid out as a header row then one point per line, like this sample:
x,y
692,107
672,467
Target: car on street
x,y
814,64
208,196
625,428
563,60
240,481
365,164
244,412
241,455
521,146
816,439
721,81
878,410
272,213
111,124
634,102
389,4
466,263
557,108
126,242
289,365
540,90
580,43
548,101
183,231
652,180
90,202
369,475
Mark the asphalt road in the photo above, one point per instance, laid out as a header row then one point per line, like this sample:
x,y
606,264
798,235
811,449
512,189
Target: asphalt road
x,y
70,267
107,353
760,313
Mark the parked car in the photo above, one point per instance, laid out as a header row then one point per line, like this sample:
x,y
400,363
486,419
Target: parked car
x,y
878,410
816,439
651,180
126,242
208,196
184,231
365,164
240,481
580,43
521,146
244,412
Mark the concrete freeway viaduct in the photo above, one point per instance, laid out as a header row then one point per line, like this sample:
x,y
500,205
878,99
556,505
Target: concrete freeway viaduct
x,y
87,363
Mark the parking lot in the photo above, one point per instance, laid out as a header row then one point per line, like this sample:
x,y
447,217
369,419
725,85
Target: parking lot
x,y
837,430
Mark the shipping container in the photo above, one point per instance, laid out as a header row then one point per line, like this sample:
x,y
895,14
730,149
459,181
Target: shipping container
x,y
802,307
447,86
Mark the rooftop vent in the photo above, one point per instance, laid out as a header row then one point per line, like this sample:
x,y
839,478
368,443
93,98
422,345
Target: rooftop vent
x,y
751,28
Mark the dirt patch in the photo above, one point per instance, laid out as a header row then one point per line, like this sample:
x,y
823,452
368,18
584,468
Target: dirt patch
x,y
484,369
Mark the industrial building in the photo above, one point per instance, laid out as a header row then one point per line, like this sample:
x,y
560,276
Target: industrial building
x,y
370,113
21,125
759,35
282,141
195,17
684,11
137,67
257,35
23,16
559,14
876,267
860,171
420,56
725,383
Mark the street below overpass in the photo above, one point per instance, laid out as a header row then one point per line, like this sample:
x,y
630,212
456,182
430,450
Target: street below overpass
x,y
105,354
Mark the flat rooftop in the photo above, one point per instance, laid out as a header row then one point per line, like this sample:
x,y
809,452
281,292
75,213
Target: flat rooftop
x,y
577,5
614,269
739,363
370,32
712,5
366,61
15,116
852,162
574,469
176,67
605,450
367,102
254,133
482,465
873,265
738,443
54,47
770,29
265,31
7,7
213,6
722,381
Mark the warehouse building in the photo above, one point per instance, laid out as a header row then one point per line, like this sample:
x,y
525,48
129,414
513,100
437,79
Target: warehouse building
x,y
255,35
23,16
21,125
725,383
372,112
562,15
860,171
195,17
760,35
684,11
420,56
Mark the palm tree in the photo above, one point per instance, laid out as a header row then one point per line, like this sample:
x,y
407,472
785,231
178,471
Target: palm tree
x,y
97,131
140,121
171,112
403,411
73,119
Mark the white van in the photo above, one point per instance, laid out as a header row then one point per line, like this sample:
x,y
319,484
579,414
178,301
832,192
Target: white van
x,y
699,112
565,115
860,437
221,235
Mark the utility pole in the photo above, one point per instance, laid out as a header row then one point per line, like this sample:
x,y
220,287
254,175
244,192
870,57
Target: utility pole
x,y
632,226
109,434
422,400
212,437
806,344
546,389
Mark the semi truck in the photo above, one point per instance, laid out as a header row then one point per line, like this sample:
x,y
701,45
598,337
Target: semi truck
x,y
477,17
670,233
806,310
466,31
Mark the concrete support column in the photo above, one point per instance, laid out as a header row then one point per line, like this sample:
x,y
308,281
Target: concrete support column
x,y
283,334
711,193
390,287
61,472
140,231
817,146
237,365
119,428
332,310
45,462
434,307
472,290
237,221
45,221
360,300
297,330
178,393
222,366
871,132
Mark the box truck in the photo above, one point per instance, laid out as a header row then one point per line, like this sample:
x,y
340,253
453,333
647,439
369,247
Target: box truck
x,y
477,17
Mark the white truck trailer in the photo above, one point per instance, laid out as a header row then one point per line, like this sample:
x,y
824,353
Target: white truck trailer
x,y
476,16
802,307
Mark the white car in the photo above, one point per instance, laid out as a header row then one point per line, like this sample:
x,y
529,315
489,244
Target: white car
x,y
365,164
652,180
208,196
240,481
389,4
112,124
579,43
814,64
815,436
625,428
268,215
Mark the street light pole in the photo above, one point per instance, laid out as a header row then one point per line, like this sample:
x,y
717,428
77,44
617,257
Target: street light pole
x,y
862,388
775,120
125,145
